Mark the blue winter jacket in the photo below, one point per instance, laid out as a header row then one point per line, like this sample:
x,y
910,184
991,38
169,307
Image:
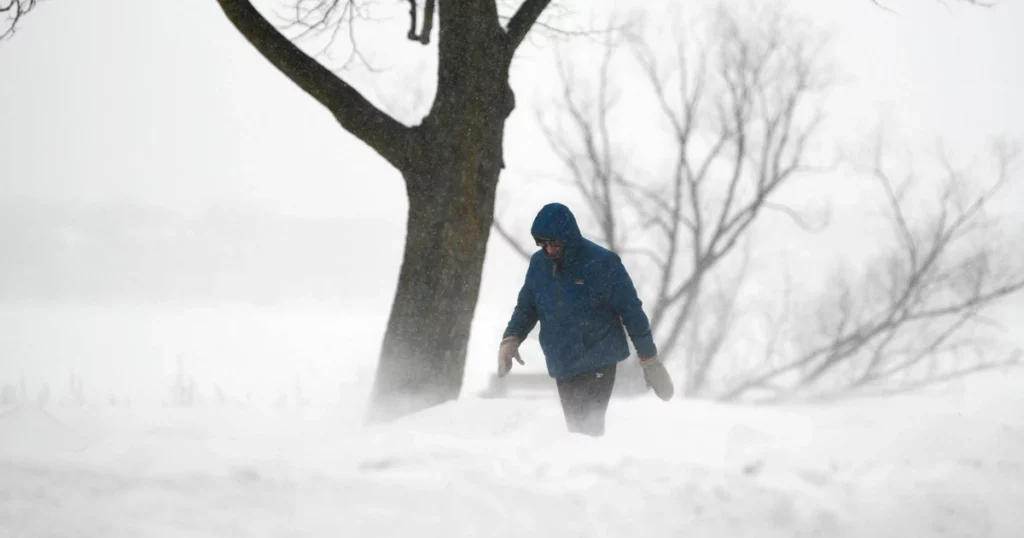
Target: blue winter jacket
x,y
582,301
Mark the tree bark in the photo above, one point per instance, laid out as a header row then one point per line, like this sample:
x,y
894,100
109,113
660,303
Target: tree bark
x,y
354,113
423,356
450,163
451,178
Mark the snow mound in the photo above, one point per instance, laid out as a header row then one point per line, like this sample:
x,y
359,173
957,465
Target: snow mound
x,y
894,467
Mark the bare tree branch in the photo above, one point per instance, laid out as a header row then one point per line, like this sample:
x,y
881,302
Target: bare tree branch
x,y
939,280
978,3
14,10
1013,361
593,168
411,35
739,110
795,216
428,22
333,18
520,23
511,240
353,111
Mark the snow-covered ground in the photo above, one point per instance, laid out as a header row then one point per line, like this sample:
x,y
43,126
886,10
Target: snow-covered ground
x,y
943,463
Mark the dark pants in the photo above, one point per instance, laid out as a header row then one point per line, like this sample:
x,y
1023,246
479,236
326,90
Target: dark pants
x,y
585,399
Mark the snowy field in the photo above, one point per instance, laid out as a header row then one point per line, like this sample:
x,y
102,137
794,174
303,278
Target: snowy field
x,y
942,463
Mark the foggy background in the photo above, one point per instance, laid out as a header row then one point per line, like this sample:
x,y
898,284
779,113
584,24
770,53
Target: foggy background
x,y
197,264
170,201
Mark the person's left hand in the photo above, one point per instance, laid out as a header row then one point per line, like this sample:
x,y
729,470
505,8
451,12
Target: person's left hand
x,y
657,378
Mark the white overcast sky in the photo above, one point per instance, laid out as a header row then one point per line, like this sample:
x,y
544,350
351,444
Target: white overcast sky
x,y
164,102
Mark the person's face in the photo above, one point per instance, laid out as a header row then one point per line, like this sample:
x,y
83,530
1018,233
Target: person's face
x,y
552,247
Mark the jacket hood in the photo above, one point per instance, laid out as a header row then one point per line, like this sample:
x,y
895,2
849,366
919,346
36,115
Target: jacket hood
x,y
555,221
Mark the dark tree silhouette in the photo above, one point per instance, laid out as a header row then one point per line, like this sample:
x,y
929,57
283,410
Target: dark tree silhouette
x,y
450,163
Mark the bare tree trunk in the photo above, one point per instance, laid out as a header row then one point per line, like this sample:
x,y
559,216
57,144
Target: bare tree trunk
x,y
451,178
451,208
424,351
450,163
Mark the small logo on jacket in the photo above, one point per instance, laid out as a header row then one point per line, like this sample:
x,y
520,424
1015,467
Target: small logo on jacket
x,y
579,281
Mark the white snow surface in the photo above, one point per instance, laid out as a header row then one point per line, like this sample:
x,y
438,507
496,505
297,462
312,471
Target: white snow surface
x,y
940,463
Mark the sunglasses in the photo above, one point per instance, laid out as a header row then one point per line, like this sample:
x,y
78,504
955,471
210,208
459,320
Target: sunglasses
x,y
544,242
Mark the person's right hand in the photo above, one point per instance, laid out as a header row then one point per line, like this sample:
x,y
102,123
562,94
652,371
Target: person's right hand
x,y
508,349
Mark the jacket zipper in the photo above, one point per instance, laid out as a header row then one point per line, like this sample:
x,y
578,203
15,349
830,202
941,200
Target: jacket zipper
x,y
558,290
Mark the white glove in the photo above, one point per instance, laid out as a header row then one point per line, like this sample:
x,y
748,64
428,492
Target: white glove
x,y
657,378
508,349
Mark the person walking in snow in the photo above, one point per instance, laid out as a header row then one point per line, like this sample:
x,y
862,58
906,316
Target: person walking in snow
x,y
586,303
